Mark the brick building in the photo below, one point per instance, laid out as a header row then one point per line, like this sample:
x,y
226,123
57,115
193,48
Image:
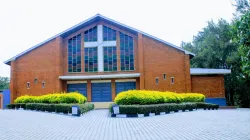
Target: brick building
x,y
100,57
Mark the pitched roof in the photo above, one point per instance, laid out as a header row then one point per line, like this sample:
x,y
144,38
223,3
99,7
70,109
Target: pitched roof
x,y
89,21
205,71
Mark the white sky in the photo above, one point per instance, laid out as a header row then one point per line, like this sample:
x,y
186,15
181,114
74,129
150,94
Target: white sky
x,y
25,23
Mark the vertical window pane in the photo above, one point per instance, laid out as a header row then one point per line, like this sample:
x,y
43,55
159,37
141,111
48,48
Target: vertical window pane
x,y
90,62
110,58
109,34
91,35
74,54
127,52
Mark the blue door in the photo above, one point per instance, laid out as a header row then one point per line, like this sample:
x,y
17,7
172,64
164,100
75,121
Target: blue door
x,y
82,88
101,92
6,98
124,86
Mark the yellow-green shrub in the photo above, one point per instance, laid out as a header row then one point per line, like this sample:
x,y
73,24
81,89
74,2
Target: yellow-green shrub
x,y
55,98
193,97
144,97
25,99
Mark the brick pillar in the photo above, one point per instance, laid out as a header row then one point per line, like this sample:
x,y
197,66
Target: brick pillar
x,y
187,73
13,80
113,89
140,60
1,101
118,51
59,64
137,83
89,90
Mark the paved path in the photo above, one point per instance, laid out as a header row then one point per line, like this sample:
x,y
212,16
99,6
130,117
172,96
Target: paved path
x,y
97,125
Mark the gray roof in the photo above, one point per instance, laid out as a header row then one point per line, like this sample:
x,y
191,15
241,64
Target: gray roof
x,y
205,71
89,21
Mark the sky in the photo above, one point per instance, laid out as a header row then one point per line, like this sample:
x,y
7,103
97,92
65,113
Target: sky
x,y
26,23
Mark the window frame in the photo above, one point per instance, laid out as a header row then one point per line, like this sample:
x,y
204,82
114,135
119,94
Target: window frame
x,y
90,40
164,76
112,59
73,42
172,80
133,52
28,85
88,59
157,81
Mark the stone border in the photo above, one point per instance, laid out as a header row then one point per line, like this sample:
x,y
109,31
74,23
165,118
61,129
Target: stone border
x,y
58,113
149,114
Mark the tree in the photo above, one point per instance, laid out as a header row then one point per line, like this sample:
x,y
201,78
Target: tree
x,y
4,83
242,29
214,48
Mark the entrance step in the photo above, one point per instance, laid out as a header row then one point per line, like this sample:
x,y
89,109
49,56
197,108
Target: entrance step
x,y
228,107
101,105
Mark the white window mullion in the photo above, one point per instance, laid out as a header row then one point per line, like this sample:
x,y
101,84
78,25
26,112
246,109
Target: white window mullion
x,y
100,48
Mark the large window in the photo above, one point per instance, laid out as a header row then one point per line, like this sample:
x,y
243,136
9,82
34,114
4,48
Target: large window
x,y
110,59
109,34
74,54
127,52
90,59
91,35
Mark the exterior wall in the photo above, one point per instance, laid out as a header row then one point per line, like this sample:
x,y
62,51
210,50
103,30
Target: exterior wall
x,y
210,86
159,59
152,60
43,63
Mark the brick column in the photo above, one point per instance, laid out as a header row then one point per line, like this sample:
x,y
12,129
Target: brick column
x,y
89,90
187,73
118,51
13,80
59,64
113,89
1,101
141,61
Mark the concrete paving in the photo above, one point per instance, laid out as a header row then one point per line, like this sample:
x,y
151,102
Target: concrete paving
x,y
231,124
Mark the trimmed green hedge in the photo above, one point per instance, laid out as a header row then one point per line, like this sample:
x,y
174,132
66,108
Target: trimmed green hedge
x,y
154,108
157,108
62,108
55,98
207,106
144,97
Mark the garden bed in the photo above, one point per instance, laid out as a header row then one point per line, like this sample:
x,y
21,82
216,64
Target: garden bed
x,y
158,109
57,108
56,102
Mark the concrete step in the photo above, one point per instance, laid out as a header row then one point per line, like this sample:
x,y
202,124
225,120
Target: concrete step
x,y
228,107
101,105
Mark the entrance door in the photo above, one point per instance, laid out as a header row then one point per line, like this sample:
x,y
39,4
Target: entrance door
x,y
124,86
101,92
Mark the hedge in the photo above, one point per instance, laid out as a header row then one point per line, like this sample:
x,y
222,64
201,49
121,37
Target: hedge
x,y
207,106
144,97
157,108
62,108
154,108
55,98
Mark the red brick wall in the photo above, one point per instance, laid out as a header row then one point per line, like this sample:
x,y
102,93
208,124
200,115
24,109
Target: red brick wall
x,y
43,63
210,86
159,59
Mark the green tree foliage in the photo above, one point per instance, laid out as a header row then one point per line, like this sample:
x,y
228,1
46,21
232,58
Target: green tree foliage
x,y
214,48
242,29
4,83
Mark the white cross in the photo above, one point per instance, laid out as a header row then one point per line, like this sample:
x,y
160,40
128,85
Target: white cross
x,y
99,44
